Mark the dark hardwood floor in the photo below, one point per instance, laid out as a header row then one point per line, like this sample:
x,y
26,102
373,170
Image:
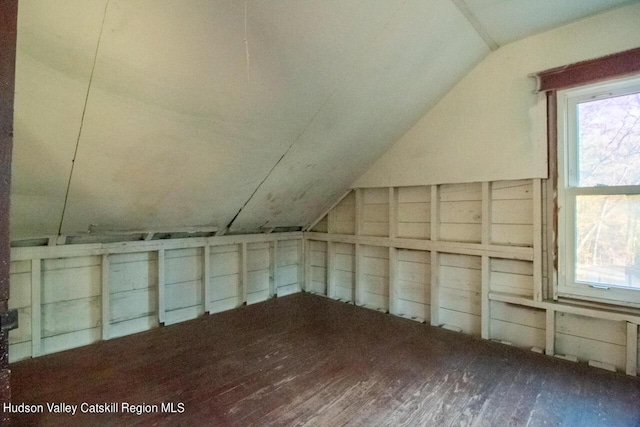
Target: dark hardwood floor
x,y
307,360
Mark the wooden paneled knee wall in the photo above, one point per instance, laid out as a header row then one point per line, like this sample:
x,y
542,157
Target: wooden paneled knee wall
x,y
72,295
467,257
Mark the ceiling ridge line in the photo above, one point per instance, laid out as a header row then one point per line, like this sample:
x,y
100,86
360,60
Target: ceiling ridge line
x,y
475,23
84,110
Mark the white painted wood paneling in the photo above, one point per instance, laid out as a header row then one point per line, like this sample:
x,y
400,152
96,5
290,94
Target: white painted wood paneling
x,y
461,212
318,265
289,265
511,276
20,338
414,212
591,339
345,271
512,213
258,264
345,213
459,291
68,291
133,282
414,284
521,326
375,277
225,278
183,283
375,205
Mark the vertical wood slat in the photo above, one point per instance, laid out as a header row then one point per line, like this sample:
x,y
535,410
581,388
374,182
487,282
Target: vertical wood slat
x,y
435,288
435,256
331,269
393,281
435,212
552,185
551,287
537,239
359,219
550,333
206,282
485,317
632,349
305,266
359,212
486,213
161,287
273,269
106,297
243,273
393,252
393,212
357,289
36,307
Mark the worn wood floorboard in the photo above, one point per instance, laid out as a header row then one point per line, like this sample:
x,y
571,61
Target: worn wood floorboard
x,y
308,360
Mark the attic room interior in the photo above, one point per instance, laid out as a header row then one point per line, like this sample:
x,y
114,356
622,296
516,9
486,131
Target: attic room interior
x,y
320,212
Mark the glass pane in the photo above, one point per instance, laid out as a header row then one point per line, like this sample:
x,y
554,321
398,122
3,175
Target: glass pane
x,y
609,141
608,240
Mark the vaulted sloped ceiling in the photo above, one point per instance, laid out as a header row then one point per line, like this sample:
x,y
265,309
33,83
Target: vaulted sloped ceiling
x,y
160,114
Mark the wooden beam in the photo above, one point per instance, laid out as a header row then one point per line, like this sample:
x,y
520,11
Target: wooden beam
x,y
146,232
632,349
550,333
435,256
485,303
393,281
161,287
393,212
244,274
273,269
486,213
97,249
302,266
206,280
358,292
552,198
331,269
435,213
106,298
305,266
537,239
590,71
563,307
36,307
359,212
435,288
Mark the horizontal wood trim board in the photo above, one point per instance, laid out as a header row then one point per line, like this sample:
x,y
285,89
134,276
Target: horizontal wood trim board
x,y
591,71
83,250
478,249
597,313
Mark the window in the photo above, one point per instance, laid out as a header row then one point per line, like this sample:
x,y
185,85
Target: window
x,y
599,192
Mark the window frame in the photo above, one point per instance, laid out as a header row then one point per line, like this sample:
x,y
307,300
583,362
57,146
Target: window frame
x,y
568,191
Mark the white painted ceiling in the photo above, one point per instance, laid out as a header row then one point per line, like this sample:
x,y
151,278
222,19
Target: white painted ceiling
x,y
205,113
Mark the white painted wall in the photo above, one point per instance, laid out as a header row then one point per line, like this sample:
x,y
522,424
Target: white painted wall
x,y
490,126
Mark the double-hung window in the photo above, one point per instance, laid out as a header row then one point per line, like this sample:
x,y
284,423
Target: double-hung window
x,y
599,192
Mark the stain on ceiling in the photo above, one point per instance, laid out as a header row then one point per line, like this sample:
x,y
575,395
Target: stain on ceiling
x,y
159,115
